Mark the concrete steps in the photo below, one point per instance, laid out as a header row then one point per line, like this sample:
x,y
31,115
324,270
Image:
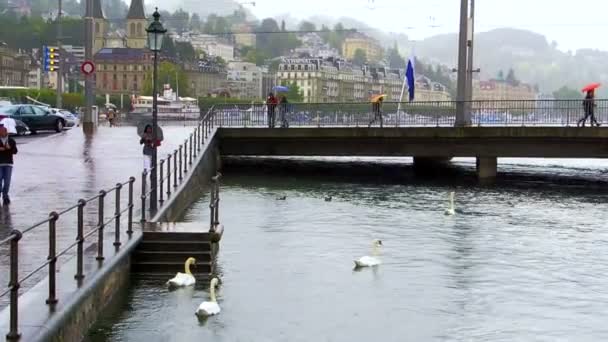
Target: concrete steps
x,y
163,253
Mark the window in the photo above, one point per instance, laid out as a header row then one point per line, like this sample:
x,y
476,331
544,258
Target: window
x,y
132,30
97,28
26,110
139,29
38,111
293,67
114,67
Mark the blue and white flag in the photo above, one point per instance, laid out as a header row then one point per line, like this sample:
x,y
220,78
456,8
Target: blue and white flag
x,y
411,78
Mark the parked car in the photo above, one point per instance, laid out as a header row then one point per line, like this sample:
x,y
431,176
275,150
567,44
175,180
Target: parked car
x,y
37,118
20,128
70,119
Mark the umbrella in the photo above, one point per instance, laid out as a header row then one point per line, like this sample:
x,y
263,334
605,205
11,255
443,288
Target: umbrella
x,y
282,89
591,86
377,98
141,127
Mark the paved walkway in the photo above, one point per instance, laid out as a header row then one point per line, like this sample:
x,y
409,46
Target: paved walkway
x,y
53,171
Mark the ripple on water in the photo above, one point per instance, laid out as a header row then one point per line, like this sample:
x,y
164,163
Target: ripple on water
x,y
512,265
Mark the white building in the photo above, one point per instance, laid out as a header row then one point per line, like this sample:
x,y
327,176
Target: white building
x,y
245,80
225,51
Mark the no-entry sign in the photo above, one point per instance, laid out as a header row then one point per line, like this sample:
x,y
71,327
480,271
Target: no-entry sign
x,y
87,67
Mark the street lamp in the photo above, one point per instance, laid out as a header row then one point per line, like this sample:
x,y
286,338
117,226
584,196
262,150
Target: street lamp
x,y
156,32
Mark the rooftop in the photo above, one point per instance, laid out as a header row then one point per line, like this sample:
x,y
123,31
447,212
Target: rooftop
x,y
121,54
136,10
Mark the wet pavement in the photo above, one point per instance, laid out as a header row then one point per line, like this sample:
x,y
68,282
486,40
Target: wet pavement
x,y
53,171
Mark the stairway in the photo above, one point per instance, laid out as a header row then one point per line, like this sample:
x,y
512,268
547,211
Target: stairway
x,y
164,254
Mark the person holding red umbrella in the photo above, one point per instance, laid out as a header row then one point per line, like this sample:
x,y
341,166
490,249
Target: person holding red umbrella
x,y
589,106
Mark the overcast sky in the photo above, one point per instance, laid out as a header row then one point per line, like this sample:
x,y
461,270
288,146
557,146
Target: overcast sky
x,y
573,24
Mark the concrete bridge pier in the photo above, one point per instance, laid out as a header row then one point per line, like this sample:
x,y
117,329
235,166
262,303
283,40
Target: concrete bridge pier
x,y
486,168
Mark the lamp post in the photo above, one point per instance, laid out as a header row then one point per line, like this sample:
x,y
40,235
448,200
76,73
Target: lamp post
x,y
156,32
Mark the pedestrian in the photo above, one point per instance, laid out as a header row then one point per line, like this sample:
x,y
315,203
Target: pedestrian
x,y
147,140
271,105
8,148
589,108
283,110
111,117
377,110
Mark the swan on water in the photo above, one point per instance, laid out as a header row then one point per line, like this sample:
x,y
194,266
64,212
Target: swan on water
x,y
184,279
211,307
282,198
373,260
328,198
450,210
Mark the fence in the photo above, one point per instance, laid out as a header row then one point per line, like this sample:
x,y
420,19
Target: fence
x,y
427,113
182,158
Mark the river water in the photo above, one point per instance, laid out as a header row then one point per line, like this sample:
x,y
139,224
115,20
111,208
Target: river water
x,y
522,260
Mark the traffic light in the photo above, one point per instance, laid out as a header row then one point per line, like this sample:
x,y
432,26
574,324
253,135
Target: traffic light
x,y
50,58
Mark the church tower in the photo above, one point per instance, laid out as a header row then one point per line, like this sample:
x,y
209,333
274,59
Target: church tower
x,y
136,25
100,27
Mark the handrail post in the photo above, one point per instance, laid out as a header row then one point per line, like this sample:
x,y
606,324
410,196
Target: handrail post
x,y
161,181
175,169
80,240
130,224
13,334
168,175
194,136
190,146
117,217
180,162
185,156
212,209
144,175
52,258
198,133
207,124
217,201
101,225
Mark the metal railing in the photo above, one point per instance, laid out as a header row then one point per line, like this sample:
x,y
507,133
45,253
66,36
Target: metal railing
x,y
214,203
172,169
407,114
54,217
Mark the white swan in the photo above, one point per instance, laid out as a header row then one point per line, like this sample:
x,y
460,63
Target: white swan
x,y
450,210
183,279
211,307
373,260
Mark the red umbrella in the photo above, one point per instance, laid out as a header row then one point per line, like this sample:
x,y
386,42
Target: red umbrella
x,y
591,86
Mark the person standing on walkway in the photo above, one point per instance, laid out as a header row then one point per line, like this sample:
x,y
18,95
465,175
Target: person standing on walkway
x,y
8,148
147,140
377,110
271,104
589,108
283,110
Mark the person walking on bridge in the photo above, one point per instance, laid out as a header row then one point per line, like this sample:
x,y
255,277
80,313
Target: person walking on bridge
x,y
377,110
8,148
589,108
271,105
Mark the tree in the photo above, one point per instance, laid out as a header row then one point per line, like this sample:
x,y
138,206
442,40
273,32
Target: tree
x,y
565,93
307,26
167,72
169,47
294,94
185,51
360,57
180,20
501,75
395,60
511,79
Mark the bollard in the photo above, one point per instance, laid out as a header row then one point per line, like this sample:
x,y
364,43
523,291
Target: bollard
x,y
13,334
52,258
168,175
130,223
117,217
101,225
190,147
144,176
161,182
80,240
180,163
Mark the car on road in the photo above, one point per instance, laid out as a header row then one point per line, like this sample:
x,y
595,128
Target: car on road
x,y
70,119
37,118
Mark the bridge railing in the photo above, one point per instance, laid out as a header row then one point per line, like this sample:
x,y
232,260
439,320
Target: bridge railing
x,y
172,169
81,236
419,113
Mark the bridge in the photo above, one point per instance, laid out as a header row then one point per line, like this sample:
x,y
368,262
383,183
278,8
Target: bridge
x,y
120,235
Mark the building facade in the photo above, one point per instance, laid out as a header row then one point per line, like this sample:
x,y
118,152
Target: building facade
x,y
14,68
133,36
337,80
205,77
498,90
122,70
371,47
244,80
